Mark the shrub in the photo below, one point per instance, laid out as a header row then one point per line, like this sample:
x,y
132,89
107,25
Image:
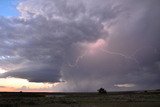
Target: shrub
x,y
102,91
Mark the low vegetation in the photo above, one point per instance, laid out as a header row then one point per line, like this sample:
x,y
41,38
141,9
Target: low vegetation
x,y
31,99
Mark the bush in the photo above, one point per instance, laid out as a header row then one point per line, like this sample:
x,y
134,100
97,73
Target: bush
x,y
102,91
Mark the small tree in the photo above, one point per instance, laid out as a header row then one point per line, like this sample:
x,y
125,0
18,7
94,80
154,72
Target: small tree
x,y
102,91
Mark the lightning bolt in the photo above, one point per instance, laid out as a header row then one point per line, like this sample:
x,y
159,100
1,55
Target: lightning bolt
x,y
99,45
141,48
107,52
120,54
77,60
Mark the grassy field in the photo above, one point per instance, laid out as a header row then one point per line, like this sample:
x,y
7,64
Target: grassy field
x,y
111,99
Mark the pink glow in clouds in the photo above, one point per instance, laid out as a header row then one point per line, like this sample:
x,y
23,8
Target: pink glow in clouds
x,y
94,47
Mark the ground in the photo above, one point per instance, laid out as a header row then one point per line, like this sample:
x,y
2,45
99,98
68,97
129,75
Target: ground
x,y
110,99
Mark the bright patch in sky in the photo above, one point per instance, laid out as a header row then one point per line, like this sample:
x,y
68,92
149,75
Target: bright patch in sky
x,y
8,8
93,47
18,83
124,85
2,70
98,44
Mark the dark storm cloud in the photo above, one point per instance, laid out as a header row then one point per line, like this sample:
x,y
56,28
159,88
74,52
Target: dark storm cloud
x,y
33,74
140,38
135,34
47,38
35,45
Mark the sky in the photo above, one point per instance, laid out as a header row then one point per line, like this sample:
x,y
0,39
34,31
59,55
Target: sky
x,y
8,8
79,45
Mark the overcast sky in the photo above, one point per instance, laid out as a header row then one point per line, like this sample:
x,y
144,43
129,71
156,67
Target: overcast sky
x,y
80,45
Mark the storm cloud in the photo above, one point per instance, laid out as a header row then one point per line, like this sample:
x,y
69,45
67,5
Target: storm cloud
x,y
51,40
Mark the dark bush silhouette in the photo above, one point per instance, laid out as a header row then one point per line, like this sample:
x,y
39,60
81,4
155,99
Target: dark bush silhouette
x,y
102,91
